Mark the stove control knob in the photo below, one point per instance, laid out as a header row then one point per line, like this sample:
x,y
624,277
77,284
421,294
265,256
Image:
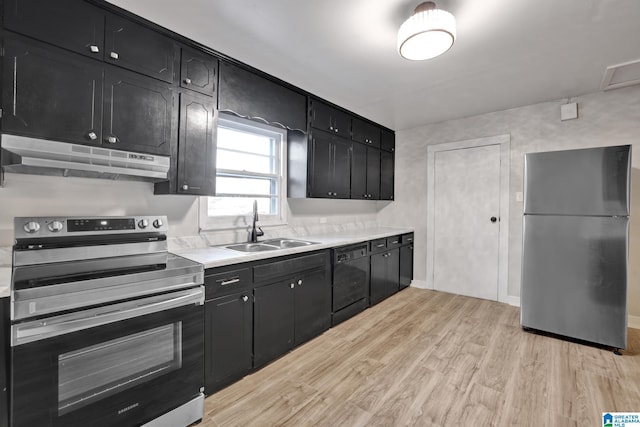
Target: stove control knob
x,y
31,227
56,226
158,223
143,223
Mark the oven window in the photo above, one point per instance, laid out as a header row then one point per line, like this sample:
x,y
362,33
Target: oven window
x,y
93,373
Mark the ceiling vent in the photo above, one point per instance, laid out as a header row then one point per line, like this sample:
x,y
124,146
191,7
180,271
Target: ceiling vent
x,y
621,75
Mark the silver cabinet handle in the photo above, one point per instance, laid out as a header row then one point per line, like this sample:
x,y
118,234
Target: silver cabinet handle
x,y
330,127
93,48
114,55
380,245
291,285
337,130
300,282
395,242
112,139
245,298
185,187
92,136
329,193
187,81
230,281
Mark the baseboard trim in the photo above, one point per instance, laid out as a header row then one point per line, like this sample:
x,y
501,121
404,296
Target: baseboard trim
x,y
420,284
514,301
633,322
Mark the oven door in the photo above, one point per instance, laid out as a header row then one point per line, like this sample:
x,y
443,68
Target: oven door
x,y
121,364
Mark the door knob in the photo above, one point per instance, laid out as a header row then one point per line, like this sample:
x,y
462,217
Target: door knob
x,y
494,219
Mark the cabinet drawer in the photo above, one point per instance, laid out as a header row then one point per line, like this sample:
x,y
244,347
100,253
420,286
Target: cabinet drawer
x,y
227,282
289,267
378,245
393,242
407,239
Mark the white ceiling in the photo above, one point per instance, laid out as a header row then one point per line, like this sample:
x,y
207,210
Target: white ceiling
x,y
508,53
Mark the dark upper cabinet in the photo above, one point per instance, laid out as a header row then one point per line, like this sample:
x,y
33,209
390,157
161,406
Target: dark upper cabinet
x,y
50,93
312,303
228,340
385,274
138,113
365,132
388,140
250,95
329,166
72,24
135,47
386,176
325,117
365,173
273,332
196,146
198,72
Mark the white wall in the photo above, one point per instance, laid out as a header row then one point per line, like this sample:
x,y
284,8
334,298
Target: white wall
x,y
605,118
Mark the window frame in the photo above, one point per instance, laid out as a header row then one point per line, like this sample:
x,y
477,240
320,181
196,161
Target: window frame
x,y
234,222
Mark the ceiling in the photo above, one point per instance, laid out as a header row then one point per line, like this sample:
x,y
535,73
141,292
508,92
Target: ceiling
x,y
507,53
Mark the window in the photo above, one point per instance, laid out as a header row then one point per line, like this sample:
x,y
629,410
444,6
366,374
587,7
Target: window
x,y
249,166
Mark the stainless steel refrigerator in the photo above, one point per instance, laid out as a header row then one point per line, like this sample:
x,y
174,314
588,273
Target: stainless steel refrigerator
x,y
575,249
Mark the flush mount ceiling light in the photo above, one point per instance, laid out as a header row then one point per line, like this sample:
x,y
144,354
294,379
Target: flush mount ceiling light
x,y
428,33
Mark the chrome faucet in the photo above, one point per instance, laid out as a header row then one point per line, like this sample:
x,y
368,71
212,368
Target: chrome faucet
x,y
255,232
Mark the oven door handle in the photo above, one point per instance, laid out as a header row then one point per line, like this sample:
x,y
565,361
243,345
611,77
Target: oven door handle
x,y
36,330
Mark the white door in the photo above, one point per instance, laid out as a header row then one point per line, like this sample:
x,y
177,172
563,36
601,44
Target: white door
x,y
466,215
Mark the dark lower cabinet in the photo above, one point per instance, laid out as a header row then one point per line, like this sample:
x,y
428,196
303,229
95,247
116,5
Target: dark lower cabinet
x,y
385,275
228,340
273,327
406,265
138,113
50,93
4,345
312,305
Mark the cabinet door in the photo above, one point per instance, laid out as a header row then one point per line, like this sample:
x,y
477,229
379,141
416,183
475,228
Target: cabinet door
x,y
248,94
365,133
388,140
378,278
228,340
341,168
132,46
321,165
406,265
312,305
72,24
138,113
50,93
330,119
359,172
393,272
386,175
196,146
273,321
373,173
199,72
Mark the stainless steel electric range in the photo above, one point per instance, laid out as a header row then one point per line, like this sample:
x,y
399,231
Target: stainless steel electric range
x,y
106,325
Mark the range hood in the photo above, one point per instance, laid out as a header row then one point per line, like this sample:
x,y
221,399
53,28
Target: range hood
x,y
44,157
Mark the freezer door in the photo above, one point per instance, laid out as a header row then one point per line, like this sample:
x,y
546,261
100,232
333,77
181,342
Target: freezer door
x,y
593,181
574,280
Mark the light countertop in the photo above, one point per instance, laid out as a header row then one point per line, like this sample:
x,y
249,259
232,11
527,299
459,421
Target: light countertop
x,y
218,256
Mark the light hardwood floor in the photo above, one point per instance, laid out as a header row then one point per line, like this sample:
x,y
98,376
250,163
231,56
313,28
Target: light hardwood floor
x,y
426,358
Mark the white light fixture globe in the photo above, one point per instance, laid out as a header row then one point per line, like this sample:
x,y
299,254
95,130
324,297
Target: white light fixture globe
x,y
428,33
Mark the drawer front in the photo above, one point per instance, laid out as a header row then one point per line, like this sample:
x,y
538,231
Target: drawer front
x,y
273,270
228,282
377,245
407,239
393,242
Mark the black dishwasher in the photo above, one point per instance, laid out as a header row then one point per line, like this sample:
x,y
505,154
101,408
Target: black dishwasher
x,y
350,281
